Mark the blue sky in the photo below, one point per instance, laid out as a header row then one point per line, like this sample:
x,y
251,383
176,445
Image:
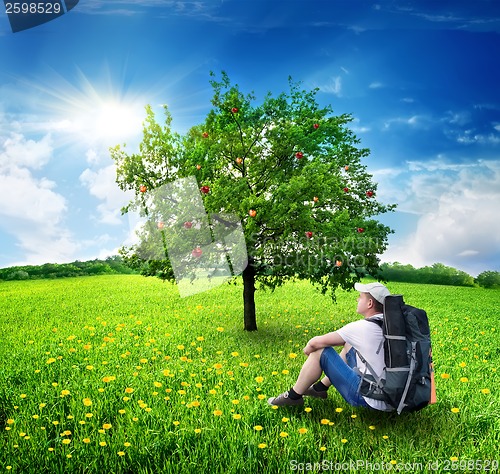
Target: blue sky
x,y
420,78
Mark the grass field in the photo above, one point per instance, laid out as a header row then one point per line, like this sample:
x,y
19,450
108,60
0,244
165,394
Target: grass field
x,y
118,374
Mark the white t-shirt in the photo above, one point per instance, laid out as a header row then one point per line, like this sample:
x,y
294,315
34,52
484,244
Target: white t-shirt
x,y
367,338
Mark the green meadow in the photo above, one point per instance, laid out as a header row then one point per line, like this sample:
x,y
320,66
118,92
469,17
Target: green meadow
x,y
119,374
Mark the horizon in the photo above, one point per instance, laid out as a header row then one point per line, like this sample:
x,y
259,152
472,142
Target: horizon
x,y
420,81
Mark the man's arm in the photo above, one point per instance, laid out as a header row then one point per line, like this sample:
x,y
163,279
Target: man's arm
x,y
319,342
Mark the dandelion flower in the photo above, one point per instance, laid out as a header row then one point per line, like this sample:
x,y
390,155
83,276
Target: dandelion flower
x,y
102,443
302,430
343,440
51,360
197,430
445,376
259,379
325,421
455,410
87,402
372,427
235,402
127,444
385,437
66,441
129,390
453,458
292,355
262,445
106,426
10,421
237,416
283,434
217,412
285,420
121,453
339,410
308,409
235,354
285,372
23,395
258,428
323,448
485,391
462,364
464,379
220,329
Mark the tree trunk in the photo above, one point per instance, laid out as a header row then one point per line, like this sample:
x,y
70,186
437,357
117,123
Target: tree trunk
x,y
249,316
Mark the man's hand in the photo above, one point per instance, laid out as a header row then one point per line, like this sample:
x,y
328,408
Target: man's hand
x,y
320,342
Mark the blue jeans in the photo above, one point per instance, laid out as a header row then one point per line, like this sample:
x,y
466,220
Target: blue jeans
x,y
342,375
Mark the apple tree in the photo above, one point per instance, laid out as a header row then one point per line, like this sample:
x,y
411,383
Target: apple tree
x,y
292,172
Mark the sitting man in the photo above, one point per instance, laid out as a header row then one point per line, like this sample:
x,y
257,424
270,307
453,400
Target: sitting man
x,y
343,371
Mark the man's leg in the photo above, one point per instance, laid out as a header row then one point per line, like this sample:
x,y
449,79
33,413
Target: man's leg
x,y
310,372
325,380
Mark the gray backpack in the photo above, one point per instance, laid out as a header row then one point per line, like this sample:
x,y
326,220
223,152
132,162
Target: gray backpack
x,y
406,382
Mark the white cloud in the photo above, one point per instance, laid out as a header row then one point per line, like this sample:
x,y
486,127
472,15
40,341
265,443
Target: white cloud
x,y
102,185
459,223
332,87
32,211
375,85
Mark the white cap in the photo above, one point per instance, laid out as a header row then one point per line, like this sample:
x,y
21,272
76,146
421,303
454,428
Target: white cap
x,y
377,290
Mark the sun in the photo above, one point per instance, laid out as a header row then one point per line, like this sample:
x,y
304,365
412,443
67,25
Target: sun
x,y
101,111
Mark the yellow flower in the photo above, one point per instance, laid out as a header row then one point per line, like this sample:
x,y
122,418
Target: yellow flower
x,y
485,391
157,384
462,364
197,430
212,392
258,428
343,440
464,379
235,402
372,427
339,410
302,430
121,412
285,372
453,458
217,412
66,441
196,403
120,453
220,329
88,415
106,426
385,437
455,410
259,379
292,355
283,434
323,448
109,378
285,420
176,423
10,421
308,409
129,390
445,376
127,444
87,402
89,367
262,445
237,416
51,360
102,443
235,354
325,421
23,395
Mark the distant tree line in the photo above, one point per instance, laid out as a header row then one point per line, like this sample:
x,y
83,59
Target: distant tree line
x,y
111,265
437,274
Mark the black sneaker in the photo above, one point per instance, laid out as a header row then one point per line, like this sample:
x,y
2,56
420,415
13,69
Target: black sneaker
x,y
283,400
312,392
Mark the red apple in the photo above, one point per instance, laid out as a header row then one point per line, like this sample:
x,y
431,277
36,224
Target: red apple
x,y
188,225
299,155
205,189
316,126
252,212
309,235
346,190
204,134
160,225
196,253
234,110
369,193
143,188
360,230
